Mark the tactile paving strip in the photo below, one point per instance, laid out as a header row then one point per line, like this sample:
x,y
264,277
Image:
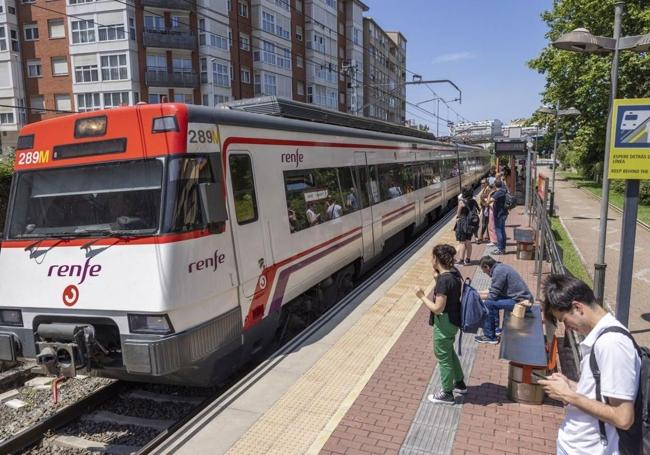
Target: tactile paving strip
x,y
434,427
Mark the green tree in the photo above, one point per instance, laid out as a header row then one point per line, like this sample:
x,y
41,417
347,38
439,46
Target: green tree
x,y
583,81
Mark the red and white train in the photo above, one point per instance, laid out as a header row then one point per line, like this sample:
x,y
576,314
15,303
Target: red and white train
x,y
164,242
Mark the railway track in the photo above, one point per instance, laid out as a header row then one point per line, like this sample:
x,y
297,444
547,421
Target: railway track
x,y
129,418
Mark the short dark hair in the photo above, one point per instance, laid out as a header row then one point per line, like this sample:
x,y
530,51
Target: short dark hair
x,y
467,193
487,261
498,183
560,291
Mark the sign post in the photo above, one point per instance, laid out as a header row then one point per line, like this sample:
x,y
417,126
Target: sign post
x,y
630,161
529,144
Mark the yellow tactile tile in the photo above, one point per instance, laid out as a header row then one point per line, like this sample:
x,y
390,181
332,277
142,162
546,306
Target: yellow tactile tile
x,y
301,421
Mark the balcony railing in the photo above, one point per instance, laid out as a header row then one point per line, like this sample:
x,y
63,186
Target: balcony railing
x,y
155,78
175,38
182,5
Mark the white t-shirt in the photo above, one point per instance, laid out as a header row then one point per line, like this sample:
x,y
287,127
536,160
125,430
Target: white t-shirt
x,y
312,217
334,211
619,366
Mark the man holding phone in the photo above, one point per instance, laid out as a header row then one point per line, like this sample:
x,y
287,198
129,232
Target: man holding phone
x,y
572,302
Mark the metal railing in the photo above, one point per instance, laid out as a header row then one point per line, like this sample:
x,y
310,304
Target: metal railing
x,y
548,250
174,37
155,78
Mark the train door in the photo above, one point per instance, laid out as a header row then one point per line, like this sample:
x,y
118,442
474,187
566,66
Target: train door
x,y
248,229
360,162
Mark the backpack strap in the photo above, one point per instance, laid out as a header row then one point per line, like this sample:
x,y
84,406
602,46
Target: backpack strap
x,y
463,283
595,371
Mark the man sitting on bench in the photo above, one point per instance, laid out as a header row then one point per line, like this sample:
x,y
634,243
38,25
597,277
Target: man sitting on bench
x,y
507,289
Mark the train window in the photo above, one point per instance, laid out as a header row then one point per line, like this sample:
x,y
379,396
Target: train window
x,y
350,194
315,196
431,173
243,187
390,181
368,182
183,209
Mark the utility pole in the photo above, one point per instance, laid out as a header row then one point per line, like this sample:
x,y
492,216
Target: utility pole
x,y
351,70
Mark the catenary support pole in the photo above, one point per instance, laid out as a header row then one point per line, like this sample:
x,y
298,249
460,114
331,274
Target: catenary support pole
x,y
600,265
626,261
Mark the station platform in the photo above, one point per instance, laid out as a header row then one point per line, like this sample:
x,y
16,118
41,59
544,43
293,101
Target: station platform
x,y
359,385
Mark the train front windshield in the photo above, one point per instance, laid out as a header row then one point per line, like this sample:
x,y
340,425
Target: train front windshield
x,y
122,197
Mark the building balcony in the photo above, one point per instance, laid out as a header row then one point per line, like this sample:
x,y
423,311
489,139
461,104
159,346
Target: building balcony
x,y
183,5
155,78
172,38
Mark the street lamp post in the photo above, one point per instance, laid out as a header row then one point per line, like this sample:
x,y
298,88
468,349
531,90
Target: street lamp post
x,y
212,60
558,113
581,40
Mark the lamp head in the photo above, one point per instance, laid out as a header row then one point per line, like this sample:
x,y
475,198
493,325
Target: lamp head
x,y
581,40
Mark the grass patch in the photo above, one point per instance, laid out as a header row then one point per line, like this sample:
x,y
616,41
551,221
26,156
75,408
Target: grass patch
x,y
615,199
570,256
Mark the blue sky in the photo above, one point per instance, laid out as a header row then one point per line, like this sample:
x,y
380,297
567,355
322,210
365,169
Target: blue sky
x,y
481,45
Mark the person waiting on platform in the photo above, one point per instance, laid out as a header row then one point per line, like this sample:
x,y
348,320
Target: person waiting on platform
x,y
506,289
445,311
467,222
313,218
484,196
500,213
333,210
590,424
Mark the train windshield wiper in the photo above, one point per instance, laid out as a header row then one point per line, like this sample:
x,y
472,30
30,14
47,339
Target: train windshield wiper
x,y
104,233
41,238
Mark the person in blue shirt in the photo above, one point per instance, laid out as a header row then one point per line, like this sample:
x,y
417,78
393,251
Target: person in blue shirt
x,y
507,288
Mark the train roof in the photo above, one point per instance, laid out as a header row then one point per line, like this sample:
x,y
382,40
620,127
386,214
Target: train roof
x,y
283,114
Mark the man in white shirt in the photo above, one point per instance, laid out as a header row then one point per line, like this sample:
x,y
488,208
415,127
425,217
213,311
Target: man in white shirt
x,y
572,302
333,209
313,218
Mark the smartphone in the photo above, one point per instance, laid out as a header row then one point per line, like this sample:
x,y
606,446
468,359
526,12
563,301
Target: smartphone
x,y
539,376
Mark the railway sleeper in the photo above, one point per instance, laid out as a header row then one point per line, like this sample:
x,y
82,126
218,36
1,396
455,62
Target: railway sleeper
x,y
74,442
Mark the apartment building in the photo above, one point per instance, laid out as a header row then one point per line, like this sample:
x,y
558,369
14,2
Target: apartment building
x,y
384,73
12,89
61,56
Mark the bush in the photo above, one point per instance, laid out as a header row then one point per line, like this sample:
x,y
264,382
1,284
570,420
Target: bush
x,y
6,173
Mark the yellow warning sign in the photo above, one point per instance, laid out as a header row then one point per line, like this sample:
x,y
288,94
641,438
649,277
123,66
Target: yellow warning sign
x,y
630,140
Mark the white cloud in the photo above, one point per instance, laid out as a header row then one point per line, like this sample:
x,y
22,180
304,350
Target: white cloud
x,y
454,57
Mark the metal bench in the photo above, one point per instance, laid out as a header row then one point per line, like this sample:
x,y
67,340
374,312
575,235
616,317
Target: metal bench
x,y
524,345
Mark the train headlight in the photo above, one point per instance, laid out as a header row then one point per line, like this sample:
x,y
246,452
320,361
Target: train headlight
x,y
158,324
11,317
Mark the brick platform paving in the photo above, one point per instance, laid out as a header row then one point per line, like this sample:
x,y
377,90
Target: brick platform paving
x,y
378,421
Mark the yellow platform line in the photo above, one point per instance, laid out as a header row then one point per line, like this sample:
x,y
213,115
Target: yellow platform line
x,y
304,418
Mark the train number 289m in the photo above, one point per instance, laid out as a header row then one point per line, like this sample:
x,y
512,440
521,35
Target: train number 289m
x,y
35,157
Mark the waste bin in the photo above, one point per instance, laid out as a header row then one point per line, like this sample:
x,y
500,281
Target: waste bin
x,y
523,386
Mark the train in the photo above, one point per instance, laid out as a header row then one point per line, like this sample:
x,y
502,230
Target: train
x,y
169,242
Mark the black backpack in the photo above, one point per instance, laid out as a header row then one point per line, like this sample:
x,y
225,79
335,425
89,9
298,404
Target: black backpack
x,y
510,202
636,440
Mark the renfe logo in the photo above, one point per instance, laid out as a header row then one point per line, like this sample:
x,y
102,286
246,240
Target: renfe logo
x,y
205,264
70,295
81,271
295,157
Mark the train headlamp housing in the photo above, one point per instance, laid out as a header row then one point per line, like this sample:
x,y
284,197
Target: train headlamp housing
x,y
90,127
156,324
11,317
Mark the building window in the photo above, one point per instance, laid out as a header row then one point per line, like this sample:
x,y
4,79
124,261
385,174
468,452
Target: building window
x,y
34,68
132,29
202,32
300,62
154,22
59,66
299,33
299,6
3,39
116,99
182,64
244,42
156,62
7,118
219,41
331,3
11,10
14,40
111,32
220,74
83,32
186,98
245,76
37,103
114,67
243,8
270,85
284,4
79,2
31,32
300,88
88,102
86,73
268,22
55,28
62,102
155,98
